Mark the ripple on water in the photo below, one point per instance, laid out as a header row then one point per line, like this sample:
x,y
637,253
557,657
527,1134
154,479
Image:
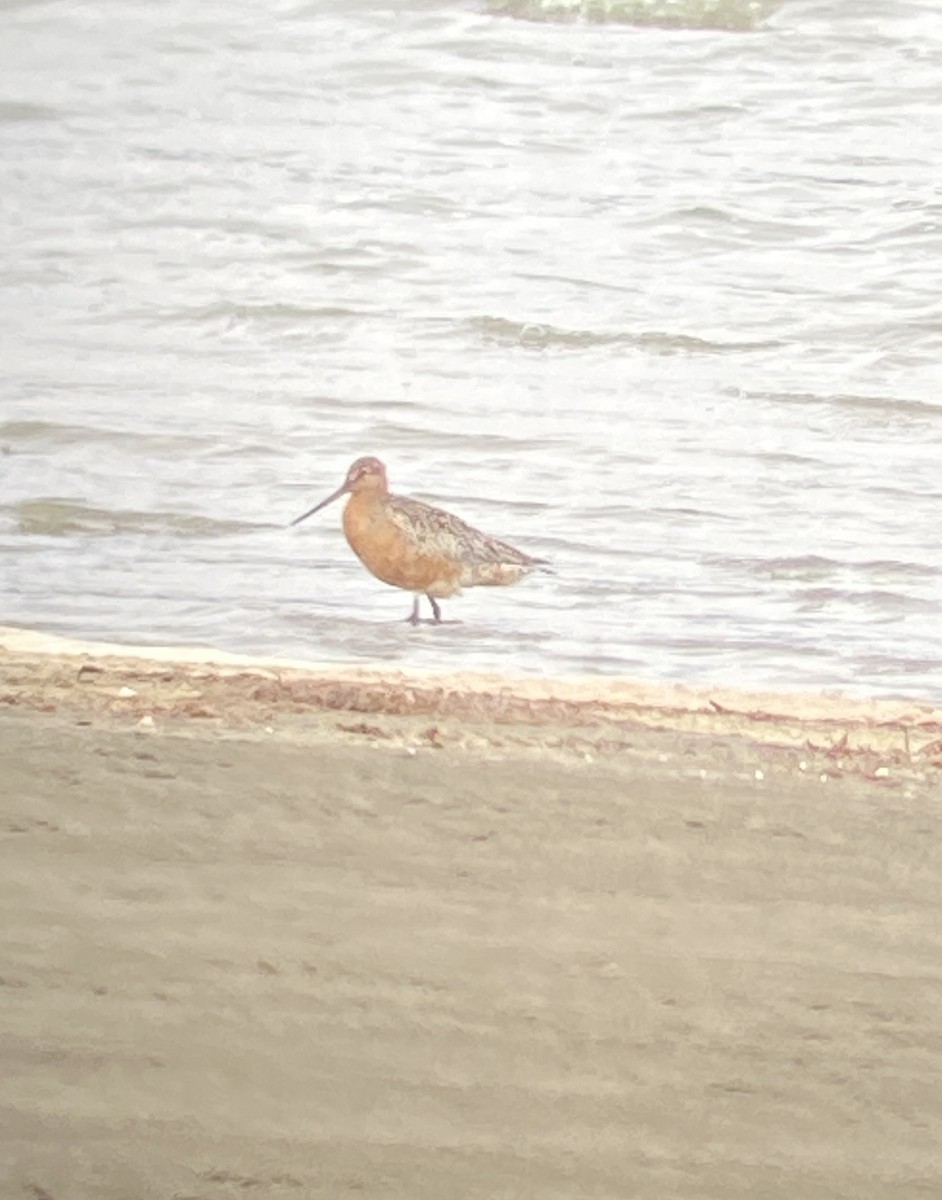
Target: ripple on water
x,y
741,15
47,436
67,518
540,336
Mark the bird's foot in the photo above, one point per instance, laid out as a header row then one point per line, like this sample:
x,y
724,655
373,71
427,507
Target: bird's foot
x,y
414,619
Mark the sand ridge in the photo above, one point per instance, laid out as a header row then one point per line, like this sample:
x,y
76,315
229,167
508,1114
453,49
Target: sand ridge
x,y
868,736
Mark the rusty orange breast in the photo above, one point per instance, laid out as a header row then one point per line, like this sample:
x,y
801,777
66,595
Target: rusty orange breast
x,y
387,550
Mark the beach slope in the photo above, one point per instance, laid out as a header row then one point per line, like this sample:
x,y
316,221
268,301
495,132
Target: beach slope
x,y
279,931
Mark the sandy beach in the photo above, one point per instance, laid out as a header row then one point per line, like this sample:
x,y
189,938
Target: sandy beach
x,y
283,931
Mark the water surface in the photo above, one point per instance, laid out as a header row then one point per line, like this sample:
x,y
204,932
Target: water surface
x,y
650,289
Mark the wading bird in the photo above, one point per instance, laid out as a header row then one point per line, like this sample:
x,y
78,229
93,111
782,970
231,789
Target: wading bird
x,y
417,547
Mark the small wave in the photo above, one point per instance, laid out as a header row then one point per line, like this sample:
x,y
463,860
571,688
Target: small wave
x,y
51,434
540,336
815,568
65,518
734,15
878,600
902,405
232,314
680,515
392,433
17,110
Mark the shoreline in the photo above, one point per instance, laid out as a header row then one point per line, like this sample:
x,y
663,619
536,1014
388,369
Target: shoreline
x,y
130,684
293,931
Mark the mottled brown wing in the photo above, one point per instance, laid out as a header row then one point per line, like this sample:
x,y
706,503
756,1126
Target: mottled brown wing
x,y
442,533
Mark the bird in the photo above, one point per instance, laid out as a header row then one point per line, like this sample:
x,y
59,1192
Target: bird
x,y
417,547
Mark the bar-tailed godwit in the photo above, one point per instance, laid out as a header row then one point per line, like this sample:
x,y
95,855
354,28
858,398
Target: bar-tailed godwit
x,y
414,546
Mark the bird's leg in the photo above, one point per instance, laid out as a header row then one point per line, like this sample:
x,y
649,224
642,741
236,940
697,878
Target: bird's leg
x,y
414,619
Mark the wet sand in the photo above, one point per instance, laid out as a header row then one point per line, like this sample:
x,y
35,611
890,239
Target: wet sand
x,y
272,931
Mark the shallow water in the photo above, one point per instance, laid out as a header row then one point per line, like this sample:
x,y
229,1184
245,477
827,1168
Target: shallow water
x,y
651,289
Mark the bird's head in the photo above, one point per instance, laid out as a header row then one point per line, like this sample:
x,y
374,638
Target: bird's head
x,y
366,474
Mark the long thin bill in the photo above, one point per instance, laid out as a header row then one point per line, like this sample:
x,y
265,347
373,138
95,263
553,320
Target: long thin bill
x,y
317,507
